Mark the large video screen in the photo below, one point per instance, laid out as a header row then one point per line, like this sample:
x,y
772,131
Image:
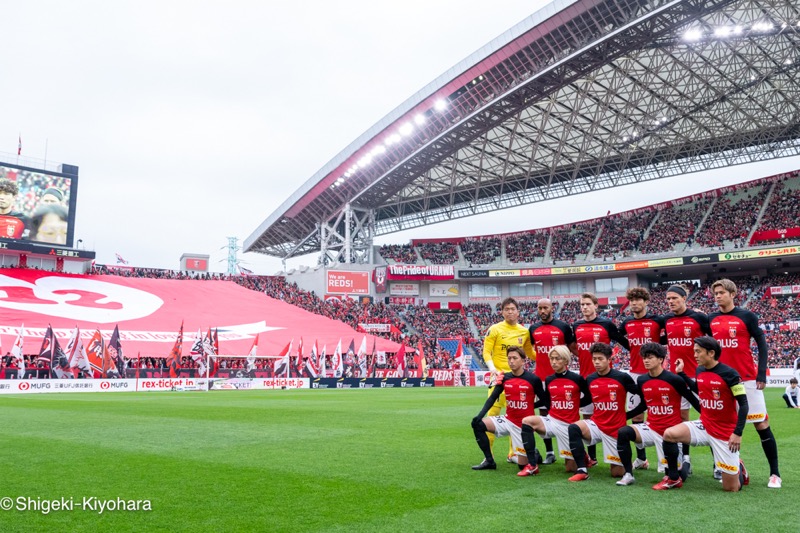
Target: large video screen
x,y
37,205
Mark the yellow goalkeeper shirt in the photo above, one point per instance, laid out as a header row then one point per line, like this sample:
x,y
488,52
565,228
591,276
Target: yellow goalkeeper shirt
x,y
500,337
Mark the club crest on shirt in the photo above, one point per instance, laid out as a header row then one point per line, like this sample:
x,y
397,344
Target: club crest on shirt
x,y
716,394
613,395
596,336
647,331
523,396
555,339
665,399
732,331
519,340
568,395
687,331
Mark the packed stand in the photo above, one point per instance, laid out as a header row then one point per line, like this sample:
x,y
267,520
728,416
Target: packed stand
x,y
776,309
783,210
526,247
484,316
717,229
399,253
622,234
573,240
784,347
432,325
481,251
438,253
674,226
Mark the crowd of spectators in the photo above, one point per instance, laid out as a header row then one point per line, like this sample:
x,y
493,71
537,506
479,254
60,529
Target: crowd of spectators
x,y
783,210
744,207
483,251
784,347
622,234
572,242
675,225
399,253
439,253
527,247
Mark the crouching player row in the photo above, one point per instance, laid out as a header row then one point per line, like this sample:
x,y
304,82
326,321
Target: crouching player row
x,y
521,389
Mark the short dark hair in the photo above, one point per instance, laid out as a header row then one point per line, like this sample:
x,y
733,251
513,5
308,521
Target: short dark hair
x,y
509,301
517,349
793,380
709,344
601,347
8,186
653,348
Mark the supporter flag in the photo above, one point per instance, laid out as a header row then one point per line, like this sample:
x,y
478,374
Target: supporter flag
x,y
120,260
52,354
95,352
459,356
322,363
210,346
310,370
174,357
113,363
372,357
423,362
282,364
251,357
46,351
17,353
298,365
76,355
198,354
400,360
336,362
393,330
362,358
350,360
245,271
19,146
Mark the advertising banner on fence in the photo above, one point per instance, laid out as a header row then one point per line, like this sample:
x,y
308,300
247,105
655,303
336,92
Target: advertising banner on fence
x,y
370,383
404,289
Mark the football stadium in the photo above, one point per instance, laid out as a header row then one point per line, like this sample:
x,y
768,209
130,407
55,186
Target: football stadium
x,y
184,399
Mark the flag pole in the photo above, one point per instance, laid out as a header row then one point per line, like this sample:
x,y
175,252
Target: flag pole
x,y
208,362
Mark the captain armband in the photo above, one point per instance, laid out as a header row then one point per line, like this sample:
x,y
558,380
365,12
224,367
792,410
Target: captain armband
x,y
738,389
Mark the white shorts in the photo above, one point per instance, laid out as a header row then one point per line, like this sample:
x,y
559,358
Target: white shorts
x,y
588,410
652,438
558,430
757,406
724,458
503,427
609,443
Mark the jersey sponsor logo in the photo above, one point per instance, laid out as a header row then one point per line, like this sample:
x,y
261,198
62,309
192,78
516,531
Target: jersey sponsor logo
x,y
584,346
562,406
517,404
613,458
606,406
638,341
756,416
660,410
716,405
729,343
543,350
727,468
680,343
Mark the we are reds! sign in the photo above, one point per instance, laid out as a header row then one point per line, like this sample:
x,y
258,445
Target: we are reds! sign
x,y
346,282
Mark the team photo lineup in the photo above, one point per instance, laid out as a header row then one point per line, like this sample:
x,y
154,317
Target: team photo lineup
x,y
713,372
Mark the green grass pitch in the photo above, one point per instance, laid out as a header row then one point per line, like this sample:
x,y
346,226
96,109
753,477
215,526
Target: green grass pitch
x,y
341,460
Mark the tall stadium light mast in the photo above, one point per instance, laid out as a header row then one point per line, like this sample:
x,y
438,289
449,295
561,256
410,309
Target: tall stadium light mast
x,y
233,251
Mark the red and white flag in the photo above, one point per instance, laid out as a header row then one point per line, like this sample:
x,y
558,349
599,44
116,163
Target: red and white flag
x,y
310,369
298,365
337,365
251,357
198,354
322,363
362,358
17,353
400,360
76,354
282,364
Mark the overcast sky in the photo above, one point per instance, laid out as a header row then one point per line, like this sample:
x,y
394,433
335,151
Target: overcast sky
x,y
192,121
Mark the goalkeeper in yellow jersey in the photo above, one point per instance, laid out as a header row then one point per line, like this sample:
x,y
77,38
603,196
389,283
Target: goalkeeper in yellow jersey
x,y
498,339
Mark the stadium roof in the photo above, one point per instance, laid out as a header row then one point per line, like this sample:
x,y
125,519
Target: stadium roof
x,y
583,95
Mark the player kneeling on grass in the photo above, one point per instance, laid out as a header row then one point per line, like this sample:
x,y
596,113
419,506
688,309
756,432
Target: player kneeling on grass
x,y
521,389
720,389
608,388
568,392
662,392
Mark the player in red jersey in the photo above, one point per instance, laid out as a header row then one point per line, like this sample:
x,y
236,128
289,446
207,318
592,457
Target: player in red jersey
x,y
720,426
608,388
640,328
662,392
567,392
545,334
734,328
681,326
588,331
521,389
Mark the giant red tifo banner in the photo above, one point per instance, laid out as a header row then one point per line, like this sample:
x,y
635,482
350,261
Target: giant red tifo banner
x,y
774,234
149,313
